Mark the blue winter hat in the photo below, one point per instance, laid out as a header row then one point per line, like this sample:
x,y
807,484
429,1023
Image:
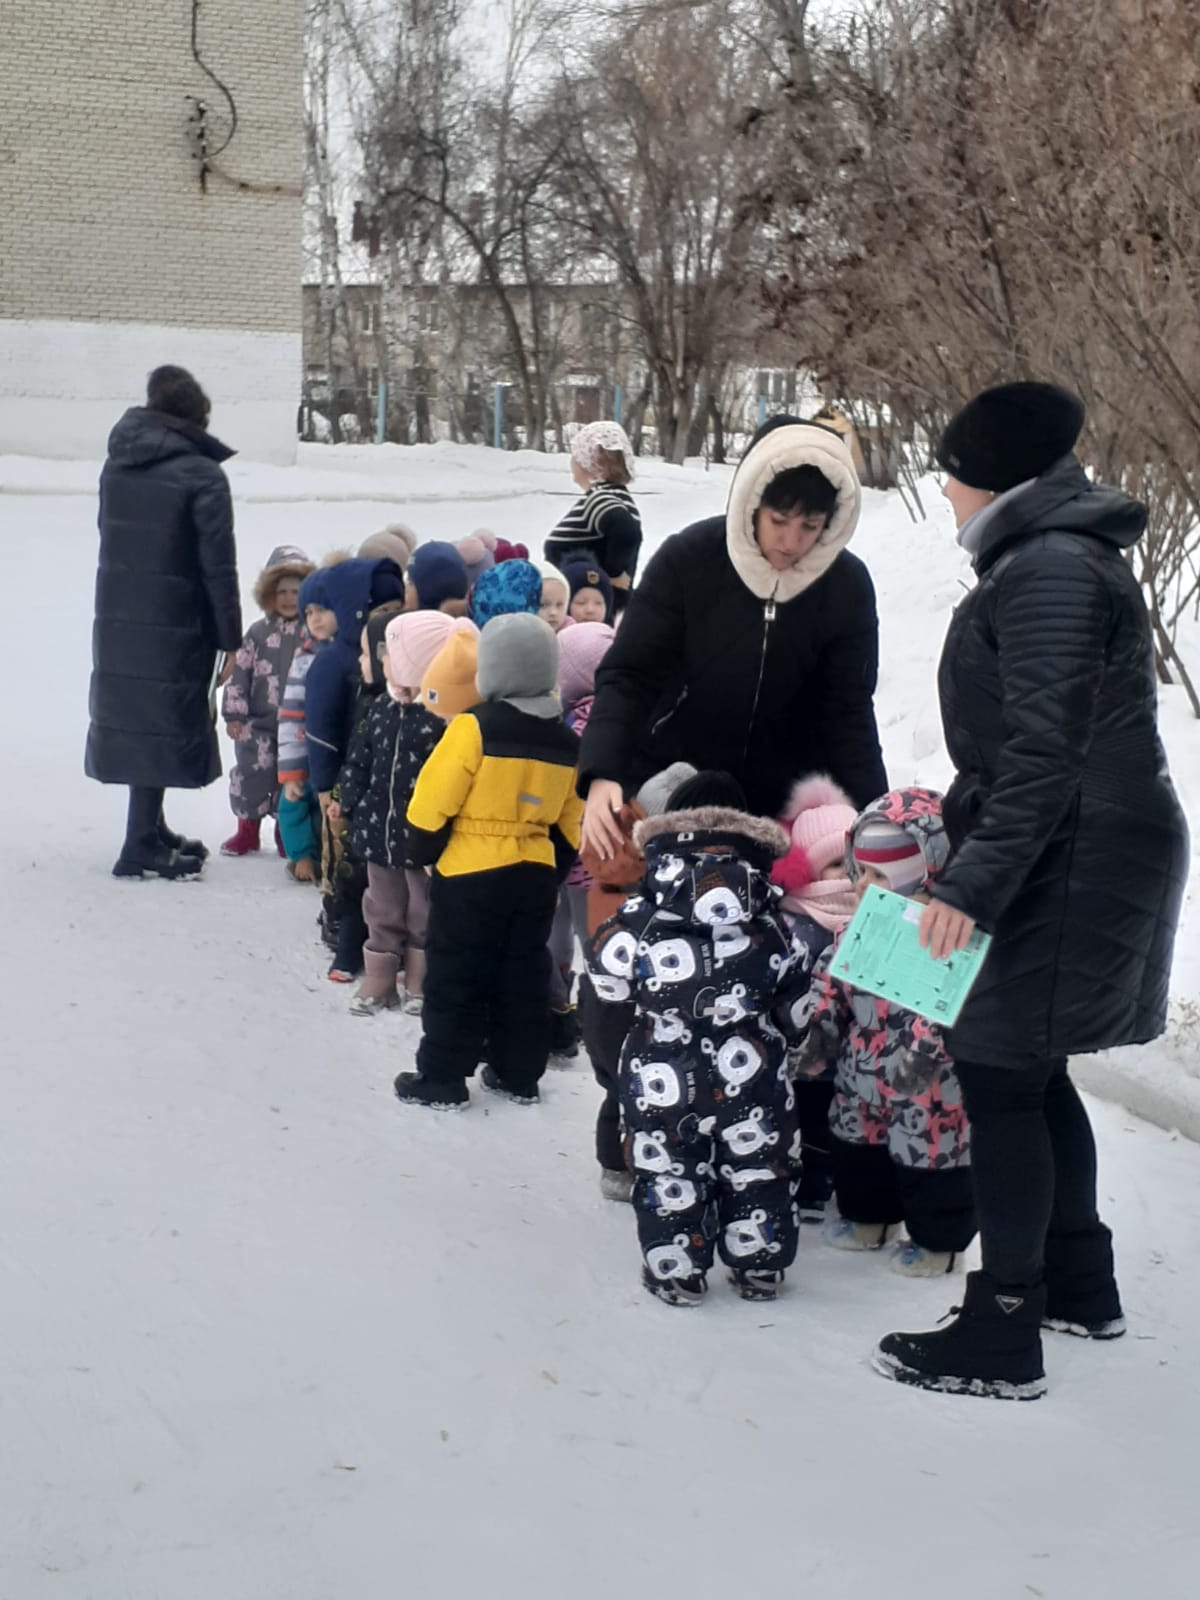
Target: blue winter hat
x,y
438,573
511,587
313,592
586,575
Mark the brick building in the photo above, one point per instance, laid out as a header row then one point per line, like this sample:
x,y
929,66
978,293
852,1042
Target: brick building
x,y
115,256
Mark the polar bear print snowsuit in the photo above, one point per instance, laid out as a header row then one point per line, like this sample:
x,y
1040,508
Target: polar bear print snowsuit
x,y
708,1114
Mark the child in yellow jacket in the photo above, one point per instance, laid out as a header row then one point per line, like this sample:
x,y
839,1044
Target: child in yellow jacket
x,y
496,815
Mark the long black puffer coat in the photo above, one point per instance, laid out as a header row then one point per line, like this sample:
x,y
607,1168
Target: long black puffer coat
x,y
724,663
1070,845
166,604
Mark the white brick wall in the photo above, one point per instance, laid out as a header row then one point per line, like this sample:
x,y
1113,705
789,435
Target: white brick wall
x,y
102,221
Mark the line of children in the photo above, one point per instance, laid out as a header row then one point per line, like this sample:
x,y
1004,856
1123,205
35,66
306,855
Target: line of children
x,y
740,1078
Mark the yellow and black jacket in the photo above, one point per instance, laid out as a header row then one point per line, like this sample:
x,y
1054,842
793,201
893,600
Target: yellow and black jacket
x,y
498,790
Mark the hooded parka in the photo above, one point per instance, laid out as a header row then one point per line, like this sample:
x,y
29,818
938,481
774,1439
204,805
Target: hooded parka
x,y
724,662
166,604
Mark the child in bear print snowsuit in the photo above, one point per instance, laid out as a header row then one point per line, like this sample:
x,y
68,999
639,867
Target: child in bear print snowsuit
x,y
707,1107
899,1136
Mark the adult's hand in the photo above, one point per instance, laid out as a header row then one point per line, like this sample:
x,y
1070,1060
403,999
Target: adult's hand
x,y
601,830
621,581
945,930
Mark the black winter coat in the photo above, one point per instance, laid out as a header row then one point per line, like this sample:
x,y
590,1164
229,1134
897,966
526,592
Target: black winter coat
x,y
1070,845
391,744
166,603
704,671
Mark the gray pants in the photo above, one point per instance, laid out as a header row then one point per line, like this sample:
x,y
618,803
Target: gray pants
x,y
395,909
570,923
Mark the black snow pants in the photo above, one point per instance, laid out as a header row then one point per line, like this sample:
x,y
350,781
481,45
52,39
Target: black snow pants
x,y
604,1027
488,975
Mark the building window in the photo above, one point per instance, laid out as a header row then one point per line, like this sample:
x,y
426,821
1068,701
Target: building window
x,y
370,317
373,382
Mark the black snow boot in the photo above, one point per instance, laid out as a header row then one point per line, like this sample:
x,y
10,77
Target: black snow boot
x,y
157,863
752,1285
182,846
564,1035
676,1291
1081,1289
993,1347
414,1090
525,1096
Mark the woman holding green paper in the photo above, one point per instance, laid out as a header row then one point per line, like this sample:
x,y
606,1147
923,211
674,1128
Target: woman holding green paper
x,y
1069,846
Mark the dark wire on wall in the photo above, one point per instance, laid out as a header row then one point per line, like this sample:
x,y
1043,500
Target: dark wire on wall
x,y
209,73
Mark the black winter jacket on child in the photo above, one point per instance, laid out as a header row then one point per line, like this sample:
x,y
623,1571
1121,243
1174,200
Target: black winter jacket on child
x,y
391,744
708,1113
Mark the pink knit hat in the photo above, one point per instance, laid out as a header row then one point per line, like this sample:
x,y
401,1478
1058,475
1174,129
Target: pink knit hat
x,y
580,651
414,638
819,816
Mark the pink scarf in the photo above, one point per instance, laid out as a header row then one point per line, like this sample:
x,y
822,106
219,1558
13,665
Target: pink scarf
x,y
828,901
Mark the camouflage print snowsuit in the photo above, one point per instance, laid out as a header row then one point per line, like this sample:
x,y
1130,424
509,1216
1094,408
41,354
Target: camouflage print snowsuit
x,y
707,1110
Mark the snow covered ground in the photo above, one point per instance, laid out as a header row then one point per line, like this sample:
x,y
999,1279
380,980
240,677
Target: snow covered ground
x,y
268,1336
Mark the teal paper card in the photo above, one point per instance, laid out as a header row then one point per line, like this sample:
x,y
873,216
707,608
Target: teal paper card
x,y
881,952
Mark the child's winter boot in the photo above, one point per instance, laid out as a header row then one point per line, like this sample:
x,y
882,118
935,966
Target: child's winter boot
x,y
245,840
564,1035
756,1285
414,1090
676,1291
524,1095
414,982
347,960
377,992
992,1348
616,1186
843,1234
302,871
912,1260
1081,1290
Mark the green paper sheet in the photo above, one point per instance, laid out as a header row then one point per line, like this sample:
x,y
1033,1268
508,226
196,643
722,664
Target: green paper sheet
x,y
881,952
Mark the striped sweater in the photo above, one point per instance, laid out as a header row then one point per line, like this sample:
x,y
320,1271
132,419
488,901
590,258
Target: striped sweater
x,y
604,526
293,747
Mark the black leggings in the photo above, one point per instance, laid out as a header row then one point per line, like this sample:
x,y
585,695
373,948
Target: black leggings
x,y
1033,1161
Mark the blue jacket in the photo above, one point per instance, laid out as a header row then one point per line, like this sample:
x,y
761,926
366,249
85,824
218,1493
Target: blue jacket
x,y
351,590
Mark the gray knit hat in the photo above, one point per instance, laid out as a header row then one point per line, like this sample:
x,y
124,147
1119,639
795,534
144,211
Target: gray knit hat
x,y
518,662
655,794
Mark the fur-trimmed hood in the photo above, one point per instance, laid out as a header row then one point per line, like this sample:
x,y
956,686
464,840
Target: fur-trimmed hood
x,y
286,561
782,445
707,824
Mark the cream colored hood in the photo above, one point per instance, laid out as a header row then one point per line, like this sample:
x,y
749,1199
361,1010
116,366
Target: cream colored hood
x,y
796,444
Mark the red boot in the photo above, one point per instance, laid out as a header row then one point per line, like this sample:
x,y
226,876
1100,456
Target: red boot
x,y
245,839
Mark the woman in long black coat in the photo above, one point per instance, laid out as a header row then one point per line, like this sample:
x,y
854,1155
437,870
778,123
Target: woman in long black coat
x,y
1069,847
167,605
750,646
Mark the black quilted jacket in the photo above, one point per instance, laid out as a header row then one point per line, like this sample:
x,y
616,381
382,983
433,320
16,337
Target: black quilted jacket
x,y
166,603
1070,845
702,671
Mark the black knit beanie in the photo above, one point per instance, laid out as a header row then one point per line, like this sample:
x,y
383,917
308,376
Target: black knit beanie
x,y
1008,435
708,789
